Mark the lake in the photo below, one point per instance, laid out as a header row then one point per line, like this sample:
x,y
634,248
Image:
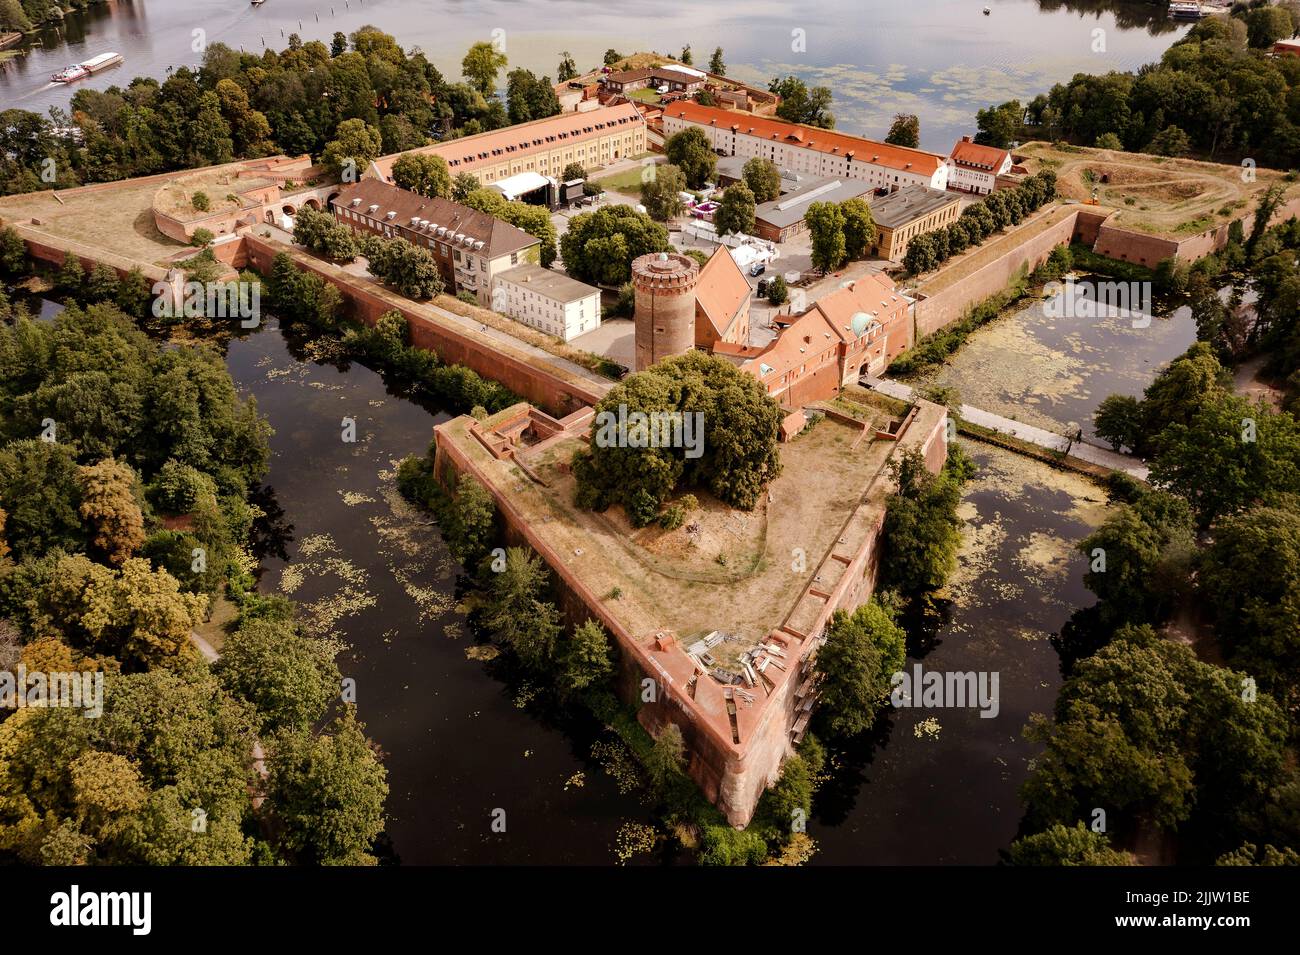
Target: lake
x,y
940,59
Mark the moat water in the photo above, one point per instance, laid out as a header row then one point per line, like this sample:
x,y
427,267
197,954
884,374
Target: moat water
x,y
463,737
939,59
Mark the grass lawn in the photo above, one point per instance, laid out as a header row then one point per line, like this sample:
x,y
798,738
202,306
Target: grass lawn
x,y
628,181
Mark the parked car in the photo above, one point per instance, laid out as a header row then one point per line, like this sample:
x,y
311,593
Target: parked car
x,y
757,269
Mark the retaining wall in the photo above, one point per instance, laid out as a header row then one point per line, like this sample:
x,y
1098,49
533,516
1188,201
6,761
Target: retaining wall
x,y
548,386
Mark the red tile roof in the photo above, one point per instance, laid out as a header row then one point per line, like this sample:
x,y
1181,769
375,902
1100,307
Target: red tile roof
x,y
974,156
722,290
540,135
810,137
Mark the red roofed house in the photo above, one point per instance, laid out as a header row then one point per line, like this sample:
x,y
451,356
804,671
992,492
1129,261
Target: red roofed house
x,y
858,329
721,302
808,149
976,168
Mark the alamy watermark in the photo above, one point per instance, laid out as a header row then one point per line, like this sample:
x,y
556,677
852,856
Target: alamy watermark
x,y
946,690
1091,299
655,429
30,689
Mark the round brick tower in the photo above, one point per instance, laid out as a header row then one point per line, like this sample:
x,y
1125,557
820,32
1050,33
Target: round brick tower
x,y
665,305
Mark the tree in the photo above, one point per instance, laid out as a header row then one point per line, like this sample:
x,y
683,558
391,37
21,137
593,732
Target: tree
x,y
71,275
777,292
1061,845
568,69
689,151
735,464
799,104
1119,419
409,268
1143,727
137,614
423,174
686,55
1170,141
1109,141
13,253
290,679
1266,25
354,146
517,615
108,505
481,65
599,246
470,524
859,227
1251,579
101,284
735,212
921,255
716,66
825,221
999,125
905,131
667,757
529,98
922,531
861,653
463,185
1140,558
572,171
763,179
661,193
585,658
41,496
612,56
328,793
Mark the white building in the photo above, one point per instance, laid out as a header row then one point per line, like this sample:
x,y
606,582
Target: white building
x,y
976,168
546,300
808,150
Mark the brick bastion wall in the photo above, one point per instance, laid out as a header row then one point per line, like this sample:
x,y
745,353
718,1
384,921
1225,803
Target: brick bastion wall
x,y
543,383
1099,228
734,751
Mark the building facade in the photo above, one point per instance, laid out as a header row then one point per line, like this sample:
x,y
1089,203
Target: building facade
x,y
470,247
809,150
856,330
976,168
902,216
546,300
594,137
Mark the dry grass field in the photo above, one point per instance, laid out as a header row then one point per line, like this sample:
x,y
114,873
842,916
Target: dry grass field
x,y
1158,195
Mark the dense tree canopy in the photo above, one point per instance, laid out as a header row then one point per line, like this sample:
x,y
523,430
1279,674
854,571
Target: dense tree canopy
x,y
599,246
738,457
861,653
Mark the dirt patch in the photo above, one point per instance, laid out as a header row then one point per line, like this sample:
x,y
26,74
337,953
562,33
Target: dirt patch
x,y
1172,192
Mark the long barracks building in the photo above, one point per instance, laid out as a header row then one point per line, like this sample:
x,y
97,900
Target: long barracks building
x,y
808,149
545,146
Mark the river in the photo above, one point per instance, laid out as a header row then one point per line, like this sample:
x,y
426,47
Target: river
x,y
939,59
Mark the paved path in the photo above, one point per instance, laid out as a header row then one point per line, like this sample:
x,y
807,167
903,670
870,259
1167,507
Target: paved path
x,y
1082,451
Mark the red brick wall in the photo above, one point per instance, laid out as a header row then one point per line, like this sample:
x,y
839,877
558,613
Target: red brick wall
x,y
455,343
952,303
